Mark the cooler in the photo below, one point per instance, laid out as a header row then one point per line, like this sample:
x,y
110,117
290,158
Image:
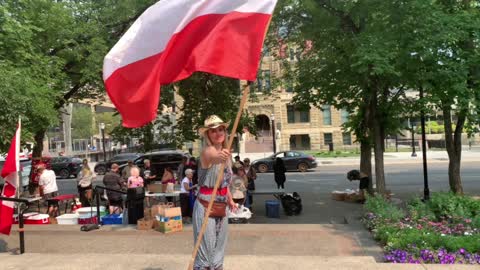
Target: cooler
x,y
113,219
272,208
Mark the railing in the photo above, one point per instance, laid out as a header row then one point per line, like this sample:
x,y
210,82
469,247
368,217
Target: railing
x,y
98,190
24,203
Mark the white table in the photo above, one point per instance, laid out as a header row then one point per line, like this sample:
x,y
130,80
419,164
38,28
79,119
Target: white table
x,y
175,195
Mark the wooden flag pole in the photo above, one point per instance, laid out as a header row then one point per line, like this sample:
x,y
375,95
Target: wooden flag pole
x,y
246,91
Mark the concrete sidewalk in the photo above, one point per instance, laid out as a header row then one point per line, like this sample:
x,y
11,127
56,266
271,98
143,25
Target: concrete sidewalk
x,y
180,261
389,158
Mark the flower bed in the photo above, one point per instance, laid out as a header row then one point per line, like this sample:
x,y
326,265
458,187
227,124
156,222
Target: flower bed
x,y
444,230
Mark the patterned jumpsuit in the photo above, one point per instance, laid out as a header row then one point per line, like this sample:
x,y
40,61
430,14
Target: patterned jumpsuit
x,y
212,250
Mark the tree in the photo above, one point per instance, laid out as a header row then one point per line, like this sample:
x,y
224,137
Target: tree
x,y
445,63
82,122
352,65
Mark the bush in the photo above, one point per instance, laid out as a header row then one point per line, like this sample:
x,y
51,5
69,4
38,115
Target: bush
x,y
451,206
417,209
383,209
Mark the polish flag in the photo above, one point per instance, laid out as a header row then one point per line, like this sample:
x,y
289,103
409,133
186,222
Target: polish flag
x,y
10,171
175,38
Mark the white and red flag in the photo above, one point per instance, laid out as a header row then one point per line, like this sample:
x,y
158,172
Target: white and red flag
x,y
10,170
175,38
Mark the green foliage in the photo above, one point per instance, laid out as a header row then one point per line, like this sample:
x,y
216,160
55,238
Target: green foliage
x,y
449,205
110,119
82,122
383,209
417,209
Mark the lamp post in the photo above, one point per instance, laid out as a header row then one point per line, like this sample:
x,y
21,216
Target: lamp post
x,y
102,130
273,134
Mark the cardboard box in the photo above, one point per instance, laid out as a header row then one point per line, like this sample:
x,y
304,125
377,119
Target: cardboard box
x,y
169,226
166,210
147,214
338,196
144,225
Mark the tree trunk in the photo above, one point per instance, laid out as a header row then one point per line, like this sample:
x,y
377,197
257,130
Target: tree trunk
x,y
378,144
453,141
38,147
366,160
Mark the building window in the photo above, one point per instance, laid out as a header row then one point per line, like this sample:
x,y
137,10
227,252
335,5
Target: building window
x,y
289,88
265,51
345,116
263,81
299,142
266,76
327,138
327,115
347,138
296,115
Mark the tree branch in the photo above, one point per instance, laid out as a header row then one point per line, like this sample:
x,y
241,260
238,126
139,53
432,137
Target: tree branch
x,y
68,95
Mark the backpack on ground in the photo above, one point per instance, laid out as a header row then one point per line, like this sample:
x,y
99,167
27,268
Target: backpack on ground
x,y
291,203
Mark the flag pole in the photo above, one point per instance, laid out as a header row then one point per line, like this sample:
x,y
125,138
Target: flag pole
x,y
246,91
17,156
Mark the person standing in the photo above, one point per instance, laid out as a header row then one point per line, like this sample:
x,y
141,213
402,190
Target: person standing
x,y
84,184
363,185
214,156
112,180
48,187
181,169
279,173
251,176
135,180
148,173
126,171
185,189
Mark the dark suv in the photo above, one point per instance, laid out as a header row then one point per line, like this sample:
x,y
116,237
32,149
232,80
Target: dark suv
x,y
160,160
102,167
66,166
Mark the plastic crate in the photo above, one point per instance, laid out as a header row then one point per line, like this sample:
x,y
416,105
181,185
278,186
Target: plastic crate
x,y
90,220
272,208
113,219
68,219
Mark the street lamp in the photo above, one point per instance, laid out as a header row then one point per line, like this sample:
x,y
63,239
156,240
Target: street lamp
x,y
414,154
102,130
273,133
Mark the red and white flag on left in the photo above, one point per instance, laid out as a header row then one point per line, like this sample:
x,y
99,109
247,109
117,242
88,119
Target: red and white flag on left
x,y
10,174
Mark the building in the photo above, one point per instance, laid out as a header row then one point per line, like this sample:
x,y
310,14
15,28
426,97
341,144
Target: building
x,y
295,128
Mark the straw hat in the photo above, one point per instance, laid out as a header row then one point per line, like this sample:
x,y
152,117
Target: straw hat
x,y
212,121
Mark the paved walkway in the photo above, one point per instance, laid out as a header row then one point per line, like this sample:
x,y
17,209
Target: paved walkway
x,y
93,261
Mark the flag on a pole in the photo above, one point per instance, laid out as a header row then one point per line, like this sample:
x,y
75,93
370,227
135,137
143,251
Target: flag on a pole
x,y
10,171
175,38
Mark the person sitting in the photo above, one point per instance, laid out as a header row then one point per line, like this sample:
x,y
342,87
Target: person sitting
x,y
364,184
112,180
48,188
238,187
134,180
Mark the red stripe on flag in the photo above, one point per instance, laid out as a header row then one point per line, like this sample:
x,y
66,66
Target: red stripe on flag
x,y
6,209
224,44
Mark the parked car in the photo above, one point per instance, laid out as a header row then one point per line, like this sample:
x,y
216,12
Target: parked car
x,y
160,160
64,167
293,161
25,166
102,167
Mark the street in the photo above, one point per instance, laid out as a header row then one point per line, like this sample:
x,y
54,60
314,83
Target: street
x,y
315,186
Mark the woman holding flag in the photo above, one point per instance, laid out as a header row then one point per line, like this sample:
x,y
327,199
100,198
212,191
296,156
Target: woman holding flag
x,y
212,249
